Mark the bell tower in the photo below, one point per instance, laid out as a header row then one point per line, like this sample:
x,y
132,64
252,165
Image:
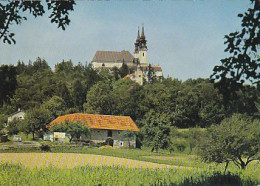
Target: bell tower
x,y
141,48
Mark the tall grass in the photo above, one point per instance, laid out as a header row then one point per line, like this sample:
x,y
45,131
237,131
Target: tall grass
x,y
18,175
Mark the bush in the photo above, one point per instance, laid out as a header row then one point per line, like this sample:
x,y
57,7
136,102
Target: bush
x,y
178,144
45,148
106,147
110,141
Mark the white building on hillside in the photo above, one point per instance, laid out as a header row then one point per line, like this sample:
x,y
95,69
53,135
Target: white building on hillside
x,y
137,62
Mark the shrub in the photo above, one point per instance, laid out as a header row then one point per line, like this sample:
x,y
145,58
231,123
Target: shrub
x,y
109,141
45,148
179,144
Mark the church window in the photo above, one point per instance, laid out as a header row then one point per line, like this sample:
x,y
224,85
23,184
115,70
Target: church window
x,y
143,54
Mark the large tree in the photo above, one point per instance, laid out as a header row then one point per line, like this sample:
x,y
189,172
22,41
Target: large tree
x,y
236,140
36,121
244,61
15,12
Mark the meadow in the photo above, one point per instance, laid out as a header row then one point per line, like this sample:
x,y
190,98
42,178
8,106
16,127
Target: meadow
x,y
96,166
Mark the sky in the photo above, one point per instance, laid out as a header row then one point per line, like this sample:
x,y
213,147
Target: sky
x,y
185,37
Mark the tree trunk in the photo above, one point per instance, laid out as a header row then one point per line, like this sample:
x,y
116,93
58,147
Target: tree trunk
x,y
243,165
33,135
226,167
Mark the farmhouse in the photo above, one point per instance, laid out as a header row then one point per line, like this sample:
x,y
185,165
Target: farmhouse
x,y
105,126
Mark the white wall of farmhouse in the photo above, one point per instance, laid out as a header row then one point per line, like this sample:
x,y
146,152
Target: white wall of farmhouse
x,y
98,135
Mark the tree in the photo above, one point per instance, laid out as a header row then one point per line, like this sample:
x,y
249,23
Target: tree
x,y
99,99
116,73
211,109
79,94
156,130
8,82
11,13
63,92
187,108
244,62
13,126
124,70
125,98
36,121
151,74
56,106
236,140
3,121
74,129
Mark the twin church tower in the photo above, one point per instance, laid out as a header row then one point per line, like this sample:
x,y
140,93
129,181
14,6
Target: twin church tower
x,y
137,62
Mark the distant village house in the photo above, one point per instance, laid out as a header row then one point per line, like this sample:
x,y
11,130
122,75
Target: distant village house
x,y
17,115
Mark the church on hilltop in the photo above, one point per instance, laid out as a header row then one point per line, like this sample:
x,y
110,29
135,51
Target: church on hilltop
x,y
137,62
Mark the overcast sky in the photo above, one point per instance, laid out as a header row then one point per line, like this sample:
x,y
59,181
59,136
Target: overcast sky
x,y
186,37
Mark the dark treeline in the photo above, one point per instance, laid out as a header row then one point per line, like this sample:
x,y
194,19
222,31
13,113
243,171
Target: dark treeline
x,y
79,88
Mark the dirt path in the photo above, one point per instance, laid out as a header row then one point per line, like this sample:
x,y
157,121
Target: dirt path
x,y
71,160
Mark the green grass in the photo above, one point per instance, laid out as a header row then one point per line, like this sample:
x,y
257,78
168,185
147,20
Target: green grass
x,y
18,175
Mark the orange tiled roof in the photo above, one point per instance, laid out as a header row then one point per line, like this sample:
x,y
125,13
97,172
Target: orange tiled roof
x,y
94,121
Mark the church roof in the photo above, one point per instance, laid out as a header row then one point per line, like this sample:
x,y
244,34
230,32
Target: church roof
x,y
95,121
112,56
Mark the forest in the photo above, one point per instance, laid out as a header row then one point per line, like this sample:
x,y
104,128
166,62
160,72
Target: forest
x,y
39,90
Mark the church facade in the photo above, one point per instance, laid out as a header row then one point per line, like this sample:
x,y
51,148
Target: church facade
x,y
137,62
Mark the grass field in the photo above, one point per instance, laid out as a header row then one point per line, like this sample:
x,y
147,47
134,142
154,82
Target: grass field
x,y
93,166
72,160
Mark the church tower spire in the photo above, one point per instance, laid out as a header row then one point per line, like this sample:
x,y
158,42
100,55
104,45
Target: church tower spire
x,y
143,36
137,42
143,41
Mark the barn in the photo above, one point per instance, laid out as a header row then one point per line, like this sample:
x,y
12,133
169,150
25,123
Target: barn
x,y
105,126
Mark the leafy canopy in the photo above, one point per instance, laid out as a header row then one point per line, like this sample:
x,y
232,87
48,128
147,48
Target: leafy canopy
x,y
13,13
233,140
243,46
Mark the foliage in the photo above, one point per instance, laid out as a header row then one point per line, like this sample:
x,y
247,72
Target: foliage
x,y
124,70
13,126
103,104
55,105
233,140
156,131
8,82
243,46
73,129
195,136
194,102
12,13
110,141
45,148
3,121
36,121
